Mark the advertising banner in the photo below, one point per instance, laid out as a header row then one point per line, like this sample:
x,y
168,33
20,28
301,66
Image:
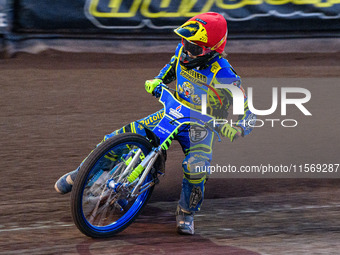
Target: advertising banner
x,y
3,17
135,17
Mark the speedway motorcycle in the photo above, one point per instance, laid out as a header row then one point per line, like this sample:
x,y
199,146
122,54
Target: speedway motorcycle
x,y
117,179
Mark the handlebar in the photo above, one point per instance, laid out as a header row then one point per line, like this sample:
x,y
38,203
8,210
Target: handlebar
x,y
216,128
158,90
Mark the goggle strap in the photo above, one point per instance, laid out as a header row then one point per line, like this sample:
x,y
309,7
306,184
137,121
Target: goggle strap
x,y
217,45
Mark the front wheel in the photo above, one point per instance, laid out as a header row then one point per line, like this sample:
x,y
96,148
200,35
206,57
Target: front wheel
x,y
100,201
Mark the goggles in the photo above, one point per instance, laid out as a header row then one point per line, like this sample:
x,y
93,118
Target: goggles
x,y
194,49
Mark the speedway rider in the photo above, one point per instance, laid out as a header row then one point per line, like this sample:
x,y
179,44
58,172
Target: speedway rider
x,y
197,66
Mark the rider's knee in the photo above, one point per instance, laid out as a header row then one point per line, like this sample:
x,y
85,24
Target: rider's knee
x,y
194,168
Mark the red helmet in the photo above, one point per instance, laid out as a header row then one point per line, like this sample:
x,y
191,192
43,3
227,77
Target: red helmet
x,y
207,30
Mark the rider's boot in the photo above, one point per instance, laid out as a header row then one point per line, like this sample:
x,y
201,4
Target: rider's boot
x,y
185,221
65,183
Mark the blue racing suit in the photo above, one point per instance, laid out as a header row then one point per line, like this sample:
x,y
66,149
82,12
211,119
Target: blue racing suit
x,y
196,144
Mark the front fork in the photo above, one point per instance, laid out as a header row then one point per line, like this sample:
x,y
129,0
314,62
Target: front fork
x,y
145,166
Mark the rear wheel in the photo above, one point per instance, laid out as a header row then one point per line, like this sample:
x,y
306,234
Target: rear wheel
x,y
100,201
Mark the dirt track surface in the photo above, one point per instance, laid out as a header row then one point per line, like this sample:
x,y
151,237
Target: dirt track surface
x,y
56,107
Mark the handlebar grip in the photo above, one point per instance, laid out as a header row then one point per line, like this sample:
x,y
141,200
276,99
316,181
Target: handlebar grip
x,y
158,90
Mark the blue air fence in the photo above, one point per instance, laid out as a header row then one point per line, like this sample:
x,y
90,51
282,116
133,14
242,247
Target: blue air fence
x,y
135,18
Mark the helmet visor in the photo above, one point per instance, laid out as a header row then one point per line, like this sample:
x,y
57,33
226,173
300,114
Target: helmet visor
x,y
192,31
